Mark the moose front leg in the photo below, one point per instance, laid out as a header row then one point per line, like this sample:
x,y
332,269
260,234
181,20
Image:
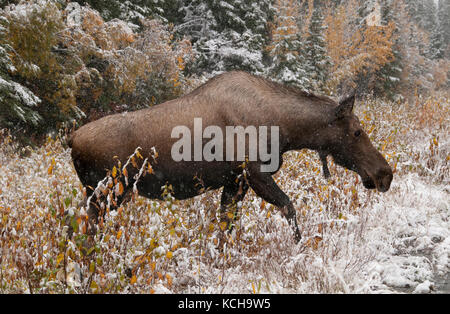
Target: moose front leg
x,y
323,159
232,194
95,212
265,187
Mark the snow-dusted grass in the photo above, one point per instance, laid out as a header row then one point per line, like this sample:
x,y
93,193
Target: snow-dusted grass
x,y
354,240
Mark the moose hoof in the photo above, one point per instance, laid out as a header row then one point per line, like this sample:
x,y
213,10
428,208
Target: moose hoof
x,y
297,236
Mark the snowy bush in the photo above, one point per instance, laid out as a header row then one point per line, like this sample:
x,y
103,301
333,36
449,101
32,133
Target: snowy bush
x,y
40,89
69,64
121,69
354,240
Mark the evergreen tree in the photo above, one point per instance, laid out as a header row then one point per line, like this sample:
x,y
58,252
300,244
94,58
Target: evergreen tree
x,y
200,27
429,16
436,46
443,27
227,34
130,10
416,11
365,8
16,101
317,61
388,77
285,48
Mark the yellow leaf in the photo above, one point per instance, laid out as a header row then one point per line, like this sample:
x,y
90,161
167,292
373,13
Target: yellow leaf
x,y
223,225
316,242
169,280
59,258
169,254
263,204
114,172
435,142
133,162
120,188
133,279
320,228
150,169
52,165
92,267
119,234
94,285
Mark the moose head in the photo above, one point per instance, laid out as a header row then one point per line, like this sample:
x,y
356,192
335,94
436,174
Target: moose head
x,y
350,147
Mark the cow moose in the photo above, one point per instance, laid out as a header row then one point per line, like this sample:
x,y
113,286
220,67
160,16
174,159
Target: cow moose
x,y
237,98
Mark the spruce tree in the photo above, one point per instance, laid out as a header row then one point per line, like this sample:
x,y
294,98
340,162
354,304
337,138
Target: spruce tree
x,y
286,45
17,103
317,62
436,46
131,10
388,77
428,20
288,62
200,27
444,26
227,34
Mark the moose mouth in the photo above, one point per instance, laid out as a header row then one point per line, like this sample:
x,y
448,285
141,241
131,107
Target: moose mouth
x,y
378,177
381,181
368,182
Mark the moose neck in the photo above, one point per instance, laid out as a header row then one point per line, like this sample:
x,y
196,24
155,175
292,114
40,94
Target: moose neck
x,y
304,125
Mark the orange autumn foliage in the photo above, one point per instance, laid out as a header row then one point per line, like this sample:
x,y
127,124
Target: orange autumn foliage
x,y
355,49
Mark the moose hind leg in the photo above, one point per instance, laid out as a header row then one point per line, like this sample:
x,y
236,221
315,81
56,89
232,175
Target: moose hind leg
x,y
232,194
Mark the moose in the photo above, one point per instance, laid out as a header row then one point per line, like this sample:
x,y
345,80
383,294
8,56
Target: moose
x,y
304,120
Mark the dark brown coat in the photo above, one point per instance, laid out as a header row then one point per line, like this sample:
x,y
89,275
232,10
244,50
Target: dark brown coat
x,y
230,99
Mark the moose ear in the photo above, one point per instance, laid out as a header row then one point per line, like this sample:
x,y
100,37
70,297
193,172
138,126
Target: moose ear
x,y
345,107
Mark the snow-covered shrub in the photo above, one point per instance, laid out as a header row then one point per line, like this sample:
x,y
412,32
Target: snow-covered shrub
x,y
354,240
16,101
30,30
69,64
121,69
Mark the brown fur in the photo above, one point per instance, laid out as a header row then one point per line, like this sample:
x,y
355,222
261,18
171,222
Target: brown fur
x,y
229,99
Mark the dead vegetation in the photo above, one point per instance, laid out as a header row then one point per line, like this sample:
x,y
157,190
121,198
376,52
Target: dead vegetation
x,y
166,246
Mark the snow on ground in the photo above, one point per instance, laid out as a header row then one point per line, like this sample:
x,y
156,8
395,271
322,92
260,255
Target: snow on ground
x,y
411,238
353,240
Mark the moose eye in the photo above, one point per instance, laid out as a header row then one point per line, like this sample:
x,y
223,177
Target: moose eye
x,y
357,133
